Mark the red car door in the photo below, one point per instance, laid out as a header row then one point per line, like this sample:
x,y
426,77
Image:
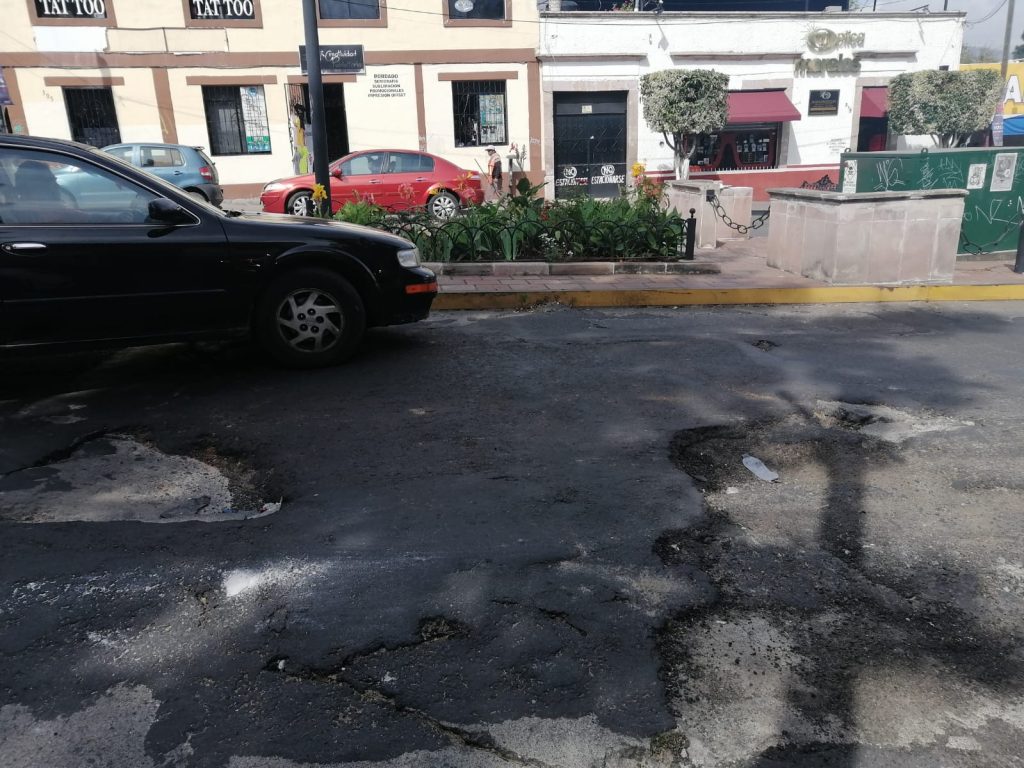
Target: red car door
x,y
411,174
362,178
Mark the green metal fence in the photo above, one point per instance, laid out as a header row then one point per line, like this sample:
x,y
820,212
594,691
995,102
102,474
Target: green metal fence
x,y
993,178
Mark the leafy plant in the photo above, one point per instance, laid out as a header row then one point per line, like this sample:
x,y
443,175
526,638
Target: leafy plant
x,y
685,104
361,211
949,106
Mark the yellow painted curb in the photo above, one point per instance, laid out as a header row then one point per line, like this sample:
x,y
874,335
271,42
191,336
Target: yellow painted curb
x,y
860,294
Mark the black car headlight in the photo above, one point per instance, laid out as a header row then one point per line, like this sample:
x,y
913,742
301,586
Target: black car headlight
x,y
409,257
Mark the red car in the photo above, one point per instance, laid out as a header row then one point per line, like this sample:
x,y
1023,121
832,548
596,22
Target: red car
x,y
392,178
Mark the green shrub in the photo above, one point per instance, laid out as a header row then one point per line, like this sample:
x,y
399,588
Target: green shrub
x,y
522,227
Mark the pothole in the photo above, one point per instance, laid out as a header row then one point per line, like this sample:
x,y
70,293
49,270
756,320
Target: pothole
x,y
441,628
882,421
116,477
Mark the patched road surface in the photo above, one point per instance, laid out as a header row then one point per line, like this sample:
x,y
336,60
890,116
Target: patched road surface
x,y
525,539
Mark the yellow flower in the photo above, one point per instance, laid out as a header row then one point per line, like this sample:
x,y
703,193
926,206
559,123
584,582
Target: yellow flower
x,y
319,193
638,170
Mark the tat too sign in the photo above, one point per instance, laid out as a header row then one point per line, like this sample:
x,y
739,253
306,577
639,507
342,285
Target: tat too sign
x,y
71,9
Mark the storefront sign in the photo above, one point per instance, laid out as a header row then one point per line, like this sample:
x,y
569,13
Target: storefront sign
x,y
222,9
386,85
823,103
337,59
826,41
591,176
254,117
841,65
71,9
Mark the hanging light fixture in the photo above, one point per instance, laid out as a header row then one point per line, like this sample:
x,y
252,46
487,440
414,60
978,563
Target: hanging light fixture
x,y
463,6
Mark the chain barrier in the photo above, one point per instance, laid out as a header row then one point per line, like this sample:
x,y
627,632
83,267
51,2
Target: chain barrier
x,y
727,220
987,248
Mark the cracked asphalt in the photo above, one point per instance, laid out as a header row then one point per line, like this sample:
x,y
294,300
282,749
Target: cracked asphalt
x,y
524,539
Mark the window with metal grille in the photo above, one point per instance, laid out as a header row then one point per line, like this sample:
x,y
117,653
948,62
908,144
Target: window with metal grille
x,y
349,9
236,118
92,116
479,111
493,10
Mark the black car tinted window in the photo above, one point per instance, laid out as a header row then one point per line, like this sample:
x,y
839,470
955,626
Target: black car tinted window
x,y
121,153
53,189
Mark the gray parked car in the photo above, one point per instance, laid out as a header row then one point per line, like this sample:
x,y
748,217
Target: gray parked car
x,y
187,167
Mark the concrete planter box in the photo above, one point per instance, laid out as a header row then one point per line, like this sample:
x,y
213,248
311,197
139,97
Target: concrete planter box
x,y
711,230
866,238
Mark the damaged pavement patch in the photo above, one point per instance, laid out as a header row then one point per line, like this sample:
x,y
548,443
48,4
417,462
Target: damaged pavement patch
x,y
116,477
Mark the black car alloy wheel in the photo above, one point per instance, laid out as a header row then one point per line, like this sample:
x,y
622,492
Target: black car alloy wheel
x,y
310,317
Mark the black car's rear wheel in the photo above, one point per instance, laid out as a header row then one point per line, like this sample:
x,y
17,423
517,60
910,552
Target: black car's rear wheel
x,y
310,318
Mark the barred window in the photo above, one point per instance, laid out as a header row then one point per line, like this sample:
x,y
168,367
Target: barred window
x,y
349,9
236,118
493,10
479,111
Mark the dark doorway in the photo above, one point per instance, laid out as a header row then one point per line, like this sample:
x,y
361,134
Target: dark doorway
x,y
92,116
590,143
873,135
334,113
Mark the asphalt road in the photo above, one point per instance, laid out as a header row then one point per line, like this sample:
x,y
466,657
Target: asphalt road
x,y
525,539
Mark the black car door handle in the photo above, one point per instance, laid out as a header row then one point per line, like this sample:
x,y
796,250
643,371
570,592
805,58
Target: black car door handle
x,y
23,248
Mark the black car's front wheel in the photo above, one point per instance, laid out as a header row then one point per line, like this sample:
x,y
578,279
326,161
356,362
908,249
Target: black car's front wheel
x,y
310,318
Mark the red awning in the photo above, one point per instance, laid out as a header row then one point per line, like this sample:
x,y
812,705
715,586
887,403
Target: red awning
x,y
874,102
761,107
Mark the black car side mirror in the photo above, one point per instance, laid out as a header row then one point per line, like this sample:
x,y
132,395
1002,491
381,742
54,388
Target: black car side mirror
x,y
168,212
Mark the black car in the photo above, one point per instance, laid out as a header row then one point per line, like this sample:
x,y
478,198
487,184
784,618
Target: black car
x,y
96,252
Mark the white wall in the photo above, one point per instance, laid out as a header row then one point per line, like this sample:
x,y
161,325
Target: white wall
x,y
756,51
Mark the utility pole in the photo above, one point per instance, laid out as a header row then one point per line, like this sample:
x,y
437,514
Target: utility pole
x,y
1007,38
316,99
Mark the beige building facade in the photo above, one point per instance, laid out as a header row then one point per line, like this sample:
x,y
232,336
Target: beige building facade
x,y
226,75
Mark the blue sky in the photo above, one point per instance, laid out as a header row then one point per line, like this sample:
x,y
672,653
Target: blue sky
x,y
987,33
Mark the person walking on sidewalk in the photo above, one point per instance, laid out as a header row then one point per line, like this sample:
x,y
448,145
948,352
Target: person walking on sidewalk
x,y
494,170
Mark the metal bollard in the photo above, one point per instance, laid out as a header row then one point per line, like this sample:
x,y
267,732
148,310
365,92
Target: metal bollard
x,y
1018,265
691,235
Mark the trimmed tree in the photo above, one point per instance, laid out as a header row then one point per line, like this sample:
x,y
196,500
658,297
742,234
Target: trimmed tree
x,y
949,106
685,104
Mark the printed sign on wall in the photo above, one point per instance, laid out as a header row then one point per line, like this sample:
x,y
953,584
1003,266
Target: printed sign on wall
x,y
823,103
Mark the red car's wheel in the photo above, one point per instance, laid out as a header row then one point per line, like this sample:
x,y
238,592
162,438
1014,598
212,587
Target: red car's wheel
x,y
300,203
443,205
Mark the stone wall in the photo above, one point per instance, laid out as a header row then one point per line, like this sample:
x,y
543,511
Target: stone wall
x,y
868,238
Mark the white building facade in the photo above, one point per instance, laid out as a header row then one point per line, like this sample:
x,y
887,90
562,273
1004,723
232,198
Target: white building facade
x,y
803,88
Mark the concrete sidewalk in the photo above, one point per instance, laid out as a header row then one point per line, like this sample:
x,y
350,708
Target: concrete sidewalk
x,y
743,278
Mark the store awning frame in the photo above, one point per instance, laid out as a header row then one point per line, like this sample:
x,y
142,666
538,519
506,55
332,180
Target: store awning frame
x,y
874,101
761,107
